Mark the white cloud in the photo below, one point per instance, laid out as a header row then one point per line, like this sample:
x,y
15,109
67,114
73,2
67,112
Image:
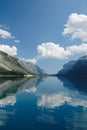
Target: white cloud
x,y
17,41
5,34
76,26
9,50
52,50
34,60
77,49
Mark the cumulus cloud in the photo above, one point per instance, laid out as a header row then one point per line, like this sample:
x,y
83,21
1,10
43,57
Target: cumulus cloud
x,y
33,60
76,26
8,49
5,34
77,49
52,50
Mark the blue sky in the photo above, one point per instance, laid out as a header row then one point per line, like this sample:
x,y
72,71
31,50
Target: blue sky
x,y
36,26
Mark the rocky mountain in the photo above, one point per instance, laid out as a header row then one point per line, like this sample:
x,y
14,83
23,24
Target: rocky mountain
x,y
30,66
75,68
13,66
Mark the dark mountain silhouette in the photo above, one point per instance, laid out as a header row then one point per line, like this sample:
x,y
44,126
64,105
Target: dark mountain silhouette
x,y
75,69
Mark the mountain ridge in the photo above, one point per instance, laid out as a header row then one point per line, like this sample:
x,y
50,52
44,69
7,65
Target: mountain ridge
x,y
78,68
13,66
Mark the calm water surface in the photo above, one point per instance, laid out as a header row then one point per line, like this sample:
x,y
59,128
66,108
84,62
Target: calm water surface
x,y
46,103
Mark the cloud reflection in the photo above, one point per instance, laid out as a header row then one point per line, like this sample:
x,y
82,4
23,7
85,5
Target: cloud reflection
x,y
9,100
4,116
56,100
9,89
63,95
48,99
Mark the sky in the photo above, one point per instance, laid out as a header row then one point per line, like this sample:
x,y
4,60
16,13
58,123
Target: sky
x,y
48,33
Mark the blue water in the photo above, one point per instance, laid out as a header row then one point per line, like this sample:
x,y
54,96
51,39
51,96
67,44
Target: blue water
x,y
43,103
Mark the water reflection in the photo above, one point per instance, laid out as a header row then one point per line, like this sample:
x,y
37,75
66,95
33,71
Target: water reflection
x,y
30,85
4,116
9,89
51,101
47,119
8,100
79,84
70,98
69,92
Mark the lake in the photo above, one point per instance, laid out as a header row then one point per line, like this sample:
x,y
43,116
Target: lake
x,y
43,103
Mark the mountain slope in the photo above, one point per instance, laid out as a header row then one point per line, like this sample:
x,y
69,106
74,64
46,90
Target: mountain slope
x,y
11,66
76,69
30,66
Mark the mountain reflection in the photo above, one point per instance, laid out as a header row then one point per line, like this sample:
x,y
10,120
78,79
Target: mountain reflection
x,y
43,100
9,88
78,83
65,92
72,92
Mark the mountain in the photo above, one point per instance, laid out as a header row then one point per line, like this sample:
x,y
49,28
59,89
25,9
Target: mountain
x,y
30,66
13,66
75,68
